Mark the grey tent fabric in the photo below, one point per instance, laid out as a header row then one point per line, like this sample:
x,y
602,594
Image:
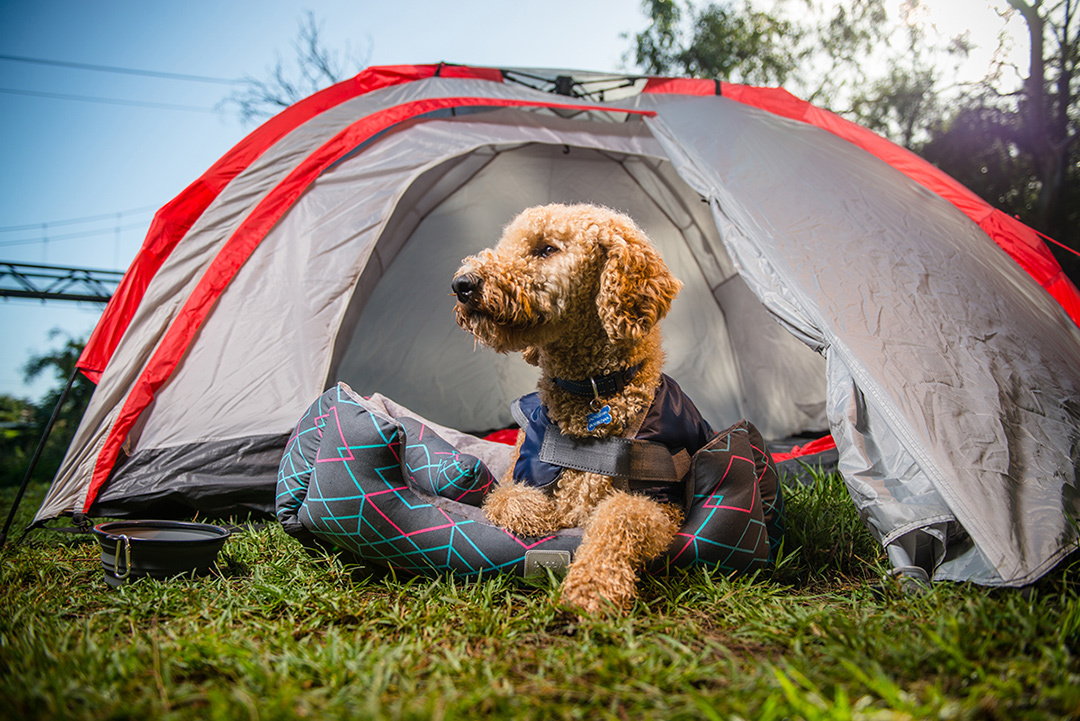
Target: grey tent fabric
x,y
937,367
824,291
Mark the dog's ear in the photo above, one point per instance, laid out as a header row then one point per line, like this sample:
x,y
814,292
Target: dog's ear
x,y
531,356
636,287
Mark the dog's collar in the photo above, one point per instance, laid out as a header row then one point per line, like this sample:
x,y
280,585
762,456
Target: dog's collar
x,y
597,386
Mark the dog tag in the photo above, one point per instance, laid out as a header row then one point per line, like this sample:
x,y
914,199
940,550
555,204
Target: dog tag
x,y
601,418
538,563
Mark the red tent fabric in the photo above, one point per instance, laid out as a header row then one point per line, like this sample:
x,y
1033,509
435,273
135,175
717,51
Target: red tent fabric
x,y
176,218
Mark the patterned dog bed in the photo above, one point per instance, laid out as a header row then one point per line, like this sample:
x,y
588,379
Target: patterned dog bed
x,y
368,477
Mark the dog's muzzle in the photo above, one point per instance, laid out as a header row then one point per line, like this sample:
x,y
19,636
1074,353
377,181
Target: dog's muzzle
x,y
467,288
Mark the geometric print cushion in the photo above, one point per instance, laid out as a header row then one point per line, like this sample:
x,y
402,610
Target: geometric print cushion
x,y
735,515
394,493
355,479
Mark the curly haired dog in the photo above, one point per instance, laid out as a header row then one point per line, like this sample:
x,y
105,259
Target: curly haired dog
x,y
579,290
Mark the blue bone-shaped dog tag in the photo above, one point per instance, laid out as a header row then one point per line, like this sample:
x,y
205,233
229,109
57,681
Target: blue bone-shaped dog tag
x,y
601,418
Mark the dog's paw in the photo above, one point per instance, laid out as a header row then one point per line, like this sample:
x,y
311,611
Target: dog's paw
x,y
520,509
591,591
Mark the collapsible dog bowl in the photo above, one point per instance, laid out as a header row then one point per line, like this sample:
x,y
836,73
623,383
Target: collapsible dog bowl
x,y
159,549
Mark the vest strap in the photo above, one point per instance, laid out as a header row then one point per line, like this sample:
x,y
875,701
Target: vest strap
x,y
620,457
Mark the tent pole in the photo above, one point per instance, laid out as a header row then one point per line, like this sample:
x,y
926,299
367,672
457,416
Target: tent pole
x,y
37,456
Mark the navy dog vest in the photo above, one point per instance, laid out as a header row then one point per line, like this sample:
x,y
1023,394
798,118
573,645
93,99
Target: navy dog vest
x,y
672,420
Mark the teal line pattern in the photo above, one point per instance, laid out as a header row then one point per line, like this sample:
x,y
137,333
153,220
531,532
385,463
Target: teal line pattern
x,y
394,493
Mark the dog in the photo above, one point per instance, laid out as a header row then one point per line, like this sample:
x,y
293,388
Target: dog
x,y
579,290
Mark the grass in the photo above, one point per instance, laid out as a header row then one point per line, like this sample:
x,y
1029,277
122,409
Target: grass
x,y
279,634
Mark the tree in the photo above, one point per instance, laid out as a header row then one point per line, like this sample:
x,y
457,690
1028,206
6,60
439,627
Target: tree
x,y
17,438
1018,148
721,41
1048,107
977,145
905,102
60,362
839,40
313,68
822,58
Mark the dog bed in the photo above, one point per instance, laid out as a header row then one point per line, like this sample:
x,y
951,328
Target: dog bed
x,y
368,477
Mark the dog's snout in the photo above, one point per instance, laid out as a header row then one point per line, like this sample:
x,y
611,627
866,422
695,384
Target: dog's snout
x,y
466,288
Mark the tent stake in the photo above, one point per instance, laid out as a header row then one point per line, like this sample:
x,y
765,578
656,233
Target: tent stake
x,y
36,457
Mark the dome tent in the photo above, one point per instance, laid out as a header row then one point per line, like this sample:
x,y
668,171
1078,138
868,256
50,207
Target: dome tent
x,y
934,337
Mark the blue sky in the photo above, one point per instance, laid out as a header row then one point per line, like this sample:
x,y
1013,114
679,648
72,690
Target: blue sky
x,y
66,159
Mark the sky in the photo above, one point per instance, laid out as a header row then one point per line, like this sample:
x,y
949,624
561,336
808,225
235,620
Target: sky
x,y
81,178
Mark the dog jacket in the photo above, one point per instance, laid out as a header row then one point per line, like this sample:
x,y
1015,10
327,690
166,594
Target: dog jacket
x,y
672,421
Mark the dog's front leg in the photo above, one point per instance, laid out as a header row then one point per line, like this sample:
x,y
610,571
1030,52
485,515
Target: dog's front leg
x,y
623,533
520,509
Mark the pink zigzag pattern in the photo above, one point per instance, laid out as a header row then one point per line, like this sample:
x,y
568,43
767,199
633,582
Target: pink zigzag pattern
x,y
526,546
348,456
406,534
710,503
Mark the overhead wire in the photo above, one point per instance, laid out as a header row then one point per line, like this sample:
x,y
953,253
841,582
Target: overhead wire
x,y
44,227
109,101
77,221
70,236
122,70
45,237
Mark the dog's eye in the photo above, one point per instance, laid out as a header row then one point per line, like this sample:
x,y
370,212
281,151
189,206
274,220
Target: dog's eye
x,y
544,250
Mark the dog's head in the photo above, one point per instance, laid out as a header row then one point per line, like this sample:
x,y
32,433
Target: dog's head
x,y
556,266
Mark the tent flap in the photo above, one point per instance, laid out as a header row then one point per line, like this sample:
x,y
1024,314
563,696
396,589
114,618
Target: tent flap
x,y
220,479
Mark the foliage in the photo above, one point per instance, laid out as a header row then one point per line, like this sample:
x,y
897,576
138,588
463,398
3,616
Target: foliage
x,y
905,100
725,41
278,634
60,363
976,145
29,420
1028,149
845,36
17,431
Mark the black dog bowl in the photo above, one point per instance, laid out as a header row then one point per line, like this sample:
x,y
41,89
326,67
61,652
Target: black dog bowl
x,y
159,549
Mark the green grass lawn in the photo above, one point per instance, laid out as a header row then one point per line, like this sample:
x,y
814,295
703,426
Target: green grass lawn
x,y
280,634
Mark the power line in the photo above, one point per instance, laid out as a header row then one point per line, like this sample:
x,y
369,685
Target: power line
x,y
121,70
70,236
76,221
108,101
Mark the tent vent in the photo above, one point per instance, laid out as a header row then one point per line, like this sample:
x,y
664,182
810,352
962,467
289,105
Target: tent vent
x,y
600,89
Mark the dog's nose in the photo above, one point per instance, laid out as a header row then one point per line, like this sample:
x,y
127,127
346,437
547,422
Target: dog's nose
x,y
466,287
